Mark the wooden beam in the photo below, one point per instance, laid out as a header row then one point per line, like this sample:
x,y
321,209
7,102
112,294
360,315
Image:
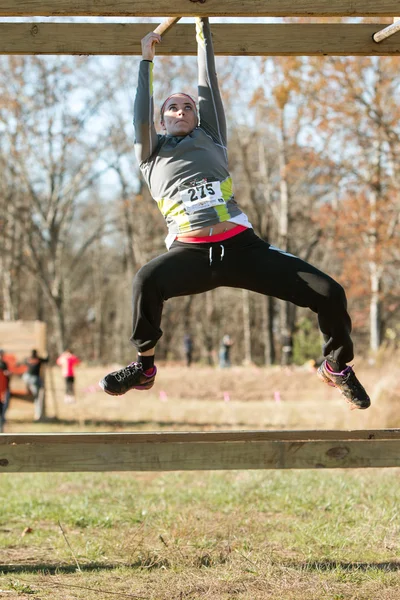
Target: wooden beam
x,y
258,435
20,337
212,8
194,451
237,39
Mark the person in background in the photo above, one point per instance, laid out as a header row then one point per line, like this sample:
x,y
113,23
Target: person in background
x,y
5,389
225,351
68,361
34,381
188,347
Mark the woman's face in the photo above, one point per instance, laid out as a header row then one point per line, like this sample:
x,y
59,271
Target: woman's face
x,y
180,115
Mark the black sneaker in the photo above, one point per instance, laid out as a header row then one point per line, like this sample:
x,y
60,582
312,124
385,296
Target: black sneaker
x,y
131,377
348,385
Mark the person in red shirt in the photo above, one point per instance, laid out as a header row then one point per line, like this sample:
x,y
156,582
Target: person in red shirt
x,y
68,361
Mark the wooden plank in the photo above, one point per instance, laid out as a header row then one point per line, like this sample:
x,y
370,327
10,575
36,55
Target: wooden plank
x,y
229,39
217,8
157,437
21,337
99,452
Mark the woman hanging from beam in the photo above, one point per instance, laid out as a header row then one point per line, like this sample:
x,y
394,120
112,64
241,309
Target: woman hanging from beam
x,y
210,240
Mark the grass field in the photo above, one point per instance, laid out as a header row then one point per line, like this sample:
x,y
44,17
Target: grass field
x,y
304,535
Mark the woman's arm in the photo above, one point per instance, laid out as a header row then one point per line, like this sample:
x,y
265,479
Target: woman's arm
x,y
211,110
145,134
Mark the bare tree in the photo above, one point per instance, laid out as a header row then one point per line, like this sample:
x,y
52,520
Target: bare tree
x,y
53,144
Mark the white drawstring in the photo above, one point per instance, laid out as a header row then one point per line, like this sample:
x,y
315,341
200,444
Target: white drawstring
x,y
210,252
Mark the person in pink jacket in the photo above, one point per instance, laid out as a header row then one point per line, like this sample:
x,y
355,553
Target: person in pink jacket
x,y
68,361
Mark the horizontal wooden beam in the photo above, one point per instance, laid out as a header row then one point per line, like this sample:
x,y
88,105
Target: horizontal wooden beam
x,y
258,435
197,451
216,8
237,39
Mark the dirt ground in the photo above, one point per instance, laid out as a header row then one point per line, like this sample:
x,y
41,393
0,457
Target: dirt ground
x,y
207,398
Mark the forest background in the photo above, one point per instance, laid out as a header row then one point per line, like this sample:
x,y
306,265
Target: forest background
x,y
314,149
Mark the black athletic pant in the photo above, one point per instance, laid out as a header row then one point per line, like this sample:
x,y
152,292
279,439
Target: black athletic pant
x,y
243,261
70,385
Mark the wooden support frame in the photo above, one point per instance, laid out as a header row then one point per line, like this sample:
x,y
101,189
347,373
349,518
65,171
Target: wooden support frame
x,y
290,39
199,451
212,8
212,450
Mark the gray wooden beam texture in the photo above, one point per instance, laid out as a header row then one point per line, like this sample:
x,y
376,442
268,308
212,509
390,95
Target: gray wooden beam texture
x,y
198,451
216,8
229,39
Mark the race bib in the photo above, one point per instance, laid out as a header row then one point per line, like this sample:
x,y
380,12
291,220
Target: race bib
x,y
204,194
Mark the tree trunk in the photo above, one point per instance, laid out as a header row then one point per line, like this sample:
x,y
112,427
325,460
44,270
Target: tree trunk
x,y
209,345
374,309
59,324
374,268
284,316
7,264
246,327
267,307
286,333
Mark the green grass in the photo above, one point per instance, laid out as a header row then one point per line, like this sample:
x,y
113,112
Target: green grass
x,y
261,535
222,535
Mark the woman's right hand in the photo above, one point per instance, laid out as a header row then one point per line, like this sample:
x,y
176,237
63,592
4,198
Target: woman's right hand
x,y
148,45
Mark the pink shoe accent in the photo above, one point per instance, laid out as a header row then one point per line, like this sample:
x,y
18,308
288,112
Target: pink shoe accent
x,y
147,385
346,370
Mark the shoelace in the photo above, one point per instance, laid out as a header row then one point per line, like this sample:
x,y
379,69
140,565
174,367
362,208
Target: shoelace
x,y
130,370
346,373
349,378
